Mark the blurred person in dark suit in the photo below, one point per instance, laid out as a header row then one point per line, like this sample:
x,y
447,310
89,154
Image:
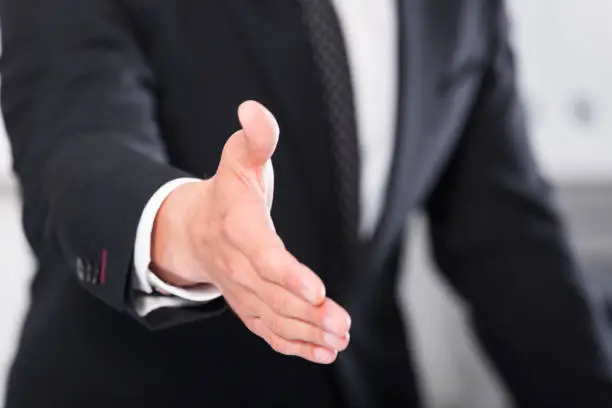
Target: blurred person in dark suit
x,y
149,220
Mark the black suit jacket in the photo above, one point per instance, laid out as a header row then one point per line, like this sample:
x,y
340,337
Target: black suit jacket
x,y
106,100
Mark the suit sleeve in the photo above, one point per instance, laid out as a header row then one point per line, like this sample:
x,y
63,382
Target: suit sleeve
x,y
498,239
79,104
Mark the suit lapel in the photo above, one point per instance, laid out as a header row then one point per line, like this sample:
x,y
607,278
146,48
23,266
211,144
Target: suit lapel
x,y
428,118
415,72
410,69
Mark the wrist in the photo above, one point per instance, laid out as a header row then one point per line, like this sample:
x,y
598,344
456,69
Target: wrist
x,y
171,278
170,242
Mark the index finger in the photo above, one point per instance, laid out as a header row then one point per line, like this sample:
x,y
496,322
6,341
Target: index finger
x,y
249,229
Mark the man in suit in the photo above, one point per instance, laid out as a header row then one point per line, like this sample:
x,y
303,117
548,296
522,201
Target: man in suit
x,y
149,221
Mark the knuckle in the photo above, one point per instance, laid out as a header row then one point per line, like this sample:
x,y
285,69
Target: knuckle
x,y
313,316
305,350
314,335
311,334
299,310
269,263
280,303
289,280
275,326
263,259
278,345
301,332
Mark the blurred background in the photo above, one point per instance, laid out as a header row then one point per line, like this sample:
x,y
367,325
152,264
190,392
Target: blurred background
x,y
565,63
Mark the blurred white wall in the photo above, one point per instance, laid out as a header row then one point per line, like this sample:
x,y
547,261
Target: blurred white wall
x,y
566,67
16,266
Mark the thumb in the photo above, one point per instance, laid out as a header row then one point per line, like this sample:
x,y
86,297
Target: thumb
x,y
260,130
248,152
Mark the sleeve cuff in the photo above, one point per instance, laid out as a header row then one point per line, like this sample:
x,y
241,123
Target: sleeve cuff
x,y
198,294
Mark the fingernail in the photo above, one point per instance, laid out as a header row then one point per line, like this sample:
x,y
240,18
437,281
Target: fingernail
x,y
324,356
334,341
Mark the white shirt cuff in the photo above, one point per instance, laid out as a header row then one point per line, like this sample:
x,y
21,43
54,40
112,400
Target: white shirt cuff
x,y
145,281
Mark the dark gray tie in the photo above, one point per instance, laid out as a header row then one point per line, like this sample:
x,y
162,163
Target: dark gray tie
x,y
331,59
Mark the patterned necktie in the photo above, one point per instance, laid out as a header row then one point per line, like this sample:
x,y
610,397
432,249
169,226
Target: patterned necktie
x,y
331,60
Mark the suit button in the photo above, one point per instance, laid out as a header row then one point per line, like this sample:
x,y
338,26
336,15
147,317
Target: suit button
x,y
80,269
95,276
88,273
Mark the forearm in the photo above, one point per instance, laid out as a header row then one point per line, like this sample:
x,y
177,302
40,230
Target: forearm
x,y
87,208
86,200
81,113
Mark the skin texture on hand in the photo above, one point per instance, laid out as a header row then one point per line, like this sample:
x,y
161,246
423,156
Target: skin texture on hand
x,y
219,231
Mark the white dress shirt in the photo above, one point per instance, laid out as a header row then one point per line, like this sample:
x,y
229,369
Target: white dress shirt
x,y
370,29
